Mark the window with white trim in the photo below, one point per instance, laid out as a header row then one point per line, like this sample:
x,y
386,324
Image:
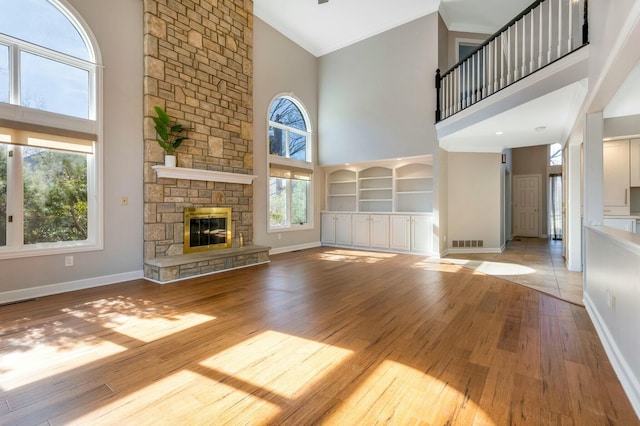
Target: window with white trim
x,y
290,165
49,175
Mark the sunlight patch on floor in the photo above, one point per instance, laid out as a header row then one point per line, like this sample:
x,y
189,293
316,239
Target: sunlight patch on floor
x,y
184,397
277,362
48,350
140,319
353,256
492,268
403,395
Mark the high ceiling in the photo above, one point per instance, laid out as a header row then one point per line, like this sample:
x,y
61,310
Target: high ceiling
x,y
323,28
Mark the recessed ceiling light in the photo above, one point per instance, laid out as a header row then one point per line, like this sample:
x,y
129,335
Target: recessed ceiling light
x,y
347,164
499,132
540,128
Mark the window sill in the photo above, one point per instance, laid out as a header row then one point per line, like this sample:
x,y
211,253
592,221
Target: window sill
x,y
47,249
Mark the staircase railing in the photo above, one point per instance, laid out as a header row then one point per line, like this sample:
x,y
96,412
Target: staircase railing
x,y
543,33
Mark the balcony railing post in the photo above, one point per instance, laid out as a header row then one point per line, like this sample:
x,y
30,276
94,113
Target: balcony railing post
x,y
438,85
585,23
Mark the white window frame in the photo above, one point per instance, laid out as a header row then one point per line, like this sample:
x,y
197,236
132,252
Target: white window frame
x,y
290,162
13,111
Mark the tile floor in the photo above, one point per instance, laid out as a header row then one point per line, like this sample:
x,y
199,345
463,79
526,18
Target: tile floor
x,y
532,262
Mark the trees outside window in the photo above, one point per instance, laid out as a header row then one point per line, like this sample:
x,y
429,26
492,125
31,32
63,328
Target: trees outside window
x,y
290,165
49,82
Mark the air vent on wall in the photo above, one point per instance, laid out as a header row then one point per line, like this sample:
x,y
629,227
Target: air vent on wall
x,y
467,243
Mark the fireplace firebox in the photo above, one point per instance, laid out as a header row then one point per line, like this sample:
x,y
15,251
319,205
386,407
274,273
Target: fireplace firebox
x,y
206,228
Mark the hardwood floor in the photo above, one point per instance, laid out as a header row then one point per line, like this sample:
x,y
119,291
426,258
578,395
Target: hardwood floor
x,y
322,336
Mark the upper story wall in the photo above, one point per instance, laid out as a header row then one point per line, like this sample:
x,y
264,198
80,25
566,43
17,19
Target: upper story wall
x,y
377,97
281,66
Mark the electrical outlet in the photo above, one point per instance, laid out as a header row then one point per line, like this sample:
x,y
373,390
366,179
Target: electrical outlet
x,y
68,261
279,236
124,201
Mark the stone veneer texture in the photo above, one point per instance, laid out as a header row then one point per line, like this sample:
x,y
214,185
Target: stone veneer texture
x,y
198,66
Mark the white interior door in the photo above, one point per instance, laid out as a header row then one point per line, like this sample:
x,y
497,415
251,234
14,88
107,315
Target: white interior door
x,y
526,205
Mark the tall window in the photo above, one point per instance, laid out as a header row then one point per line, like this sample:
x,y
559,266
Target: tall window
x,y
555,154
48,131
290,165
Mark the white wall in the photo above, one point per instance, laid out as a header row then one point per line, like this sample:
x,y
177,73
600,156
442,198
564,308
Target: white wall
x,y
377,97
281,66
117,25
612,300
475,198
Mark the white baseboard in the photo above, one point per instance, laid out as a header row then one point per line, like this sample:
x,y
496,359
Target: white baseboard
x,y
48,290
294,248
630,383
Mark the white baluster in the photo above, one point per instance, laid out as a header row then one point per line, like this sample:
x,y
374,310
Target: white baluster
x,y
531,50
540,14
516,68
559,29
550,42
570,38
502,60
524,46
508,56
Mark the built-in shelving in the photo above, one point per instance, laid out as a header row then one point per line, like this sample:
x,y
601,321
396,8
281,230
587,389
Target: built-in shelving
x,y
390,187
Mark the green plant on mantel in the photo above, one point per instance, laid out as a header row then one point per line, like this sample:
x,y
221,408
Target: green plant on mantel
x,y
170,134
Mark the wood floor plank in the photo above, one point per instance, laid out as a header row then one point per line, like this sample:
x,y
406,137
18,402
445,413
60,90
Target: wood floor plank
x,y
320,336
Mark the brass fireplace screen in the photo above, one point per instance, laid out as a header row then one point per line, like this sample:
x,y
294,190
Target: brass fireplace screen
x,y
206,228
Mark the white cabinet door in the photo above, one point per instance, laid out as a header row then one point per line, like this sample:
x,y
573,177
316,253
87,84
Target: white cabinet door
x,y
328,230
616,177
343,229
421,234
361,230
628,225
400,235
379,231
635,162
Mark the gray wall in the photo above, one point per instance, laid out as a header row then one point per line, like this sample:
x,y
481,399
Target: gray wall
x,y
281,66
122,144
377,97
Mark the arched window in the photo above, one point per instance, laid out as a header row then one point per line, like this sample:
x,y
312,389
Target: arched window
x,y
48,130
290,165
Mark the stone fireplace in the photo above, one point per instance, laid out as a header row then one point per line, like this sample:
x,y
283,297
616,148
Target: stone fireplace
x,y
198,67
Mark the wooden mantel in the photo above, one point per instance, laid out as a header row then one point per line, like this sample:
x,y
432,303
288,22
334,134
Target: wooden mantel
x,y
199,174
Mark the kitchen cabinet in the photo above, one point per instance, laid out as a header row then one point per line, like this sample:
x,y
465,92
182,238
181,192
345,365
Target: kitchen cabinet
x,y
634,162
371,230
616,177
623,223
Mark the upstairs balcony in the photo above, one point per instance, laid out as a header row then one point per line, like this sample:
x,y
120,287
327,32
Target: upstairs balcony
x,y
529,75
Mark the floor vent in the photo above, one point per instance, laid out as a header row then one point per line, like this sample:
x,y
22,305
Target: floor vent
x,y
467,243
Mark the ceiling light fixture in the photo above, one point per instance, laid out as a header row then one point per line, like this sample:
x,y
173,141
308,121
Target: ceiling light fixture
x,y
540,128
499,132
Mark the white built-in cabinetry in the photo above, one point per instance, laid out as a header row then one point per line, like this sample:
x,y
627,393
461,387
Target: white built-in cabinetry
x,y
370,230
616,168
621,166
634,163
336,229
388,205
411,233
